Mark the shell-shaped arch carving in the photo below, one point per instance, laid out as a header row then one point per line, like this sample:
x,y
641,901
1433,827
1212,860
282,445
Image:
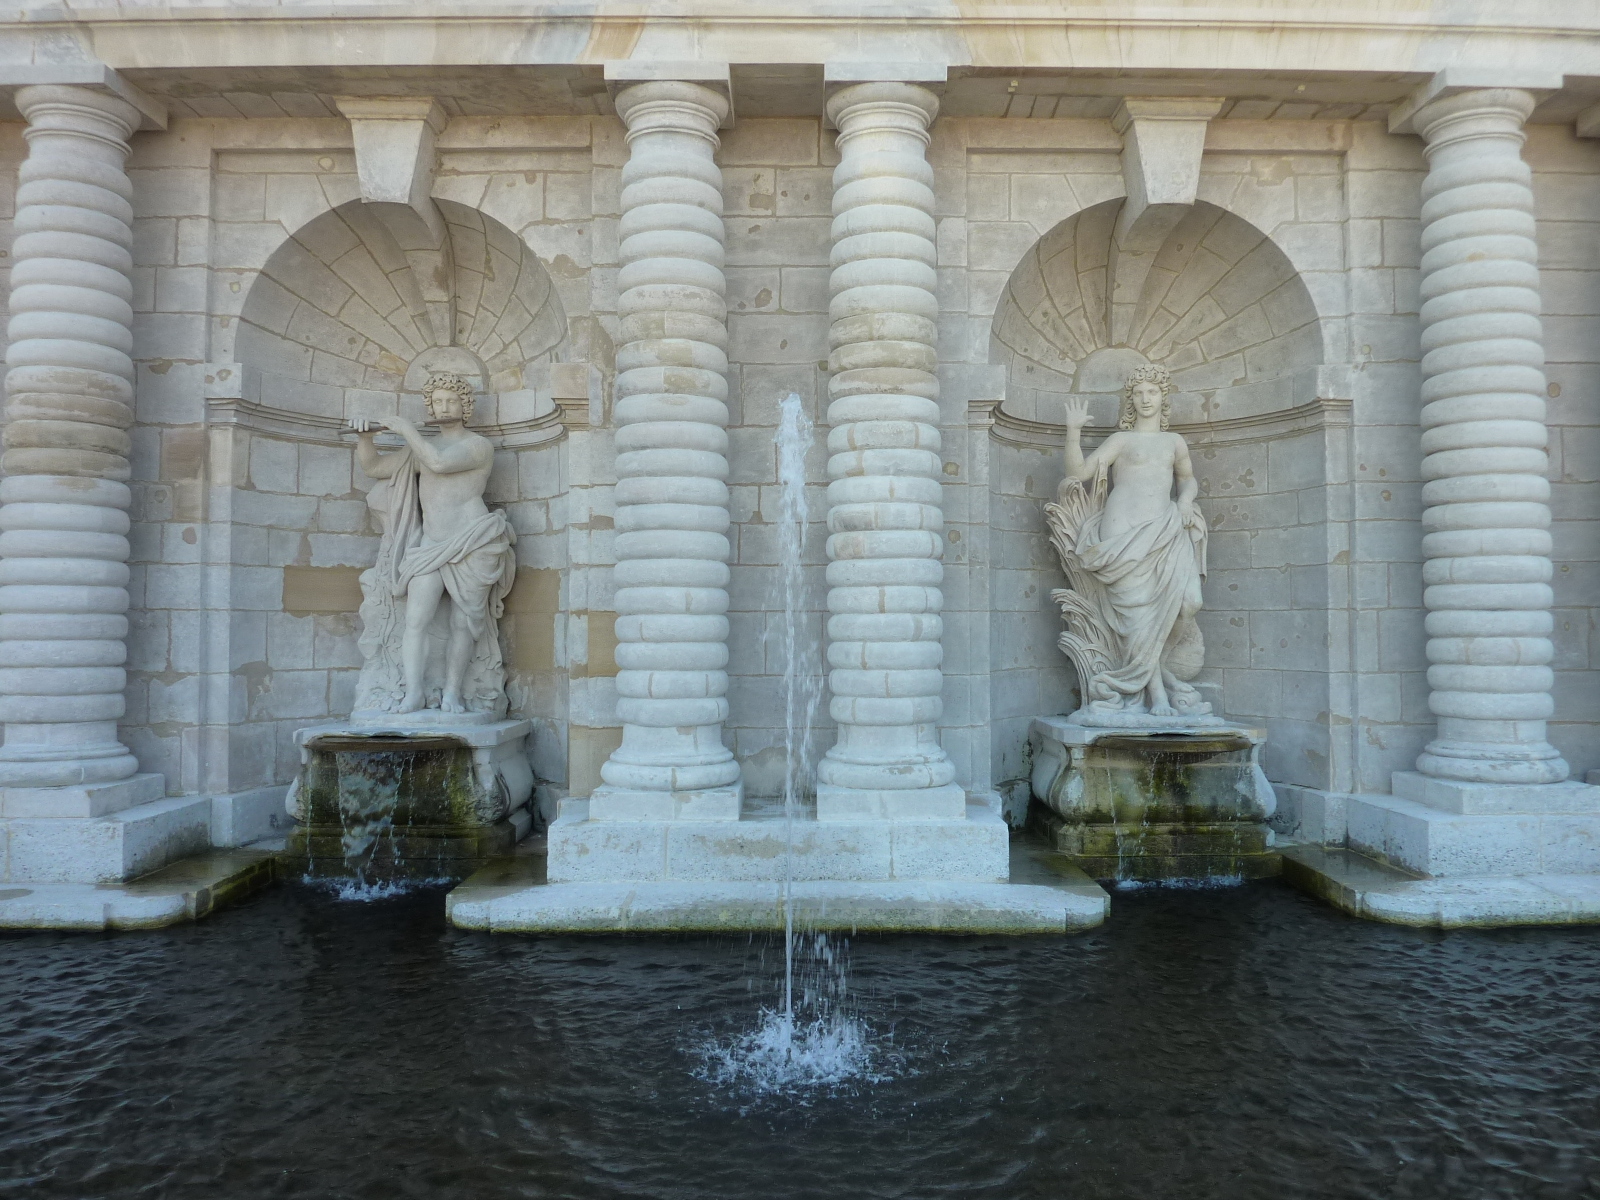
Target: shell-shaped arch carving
x,y
338,315
1221,307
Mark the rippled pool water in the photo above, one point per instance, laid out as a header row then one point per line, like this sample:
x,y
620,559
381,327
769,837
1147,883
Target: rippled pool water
x,y
1235,1043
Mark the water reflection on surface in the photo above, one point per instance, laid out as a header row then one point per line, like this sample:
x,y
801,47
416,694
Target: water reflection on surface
x,y
1240,1043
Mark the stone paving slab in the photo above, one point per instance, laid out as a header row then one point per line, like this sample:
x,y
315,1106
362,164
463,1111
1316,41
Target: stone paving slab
x,y
1367,888
182,891
1046,894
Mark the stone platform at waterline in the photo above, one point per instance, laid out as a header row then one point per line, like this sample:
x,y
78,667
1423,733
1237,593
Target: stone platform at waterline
x,y
963,876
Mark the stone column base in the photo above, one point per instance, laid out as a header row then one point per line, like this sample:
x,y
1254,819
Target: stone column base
x,y
1442,828
122,831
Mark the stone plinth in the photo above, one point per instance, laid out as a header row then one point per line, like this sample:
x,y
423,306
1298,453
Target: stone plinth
x,y
426,798
99,833
1147,805
972,848
1444,828
1038,892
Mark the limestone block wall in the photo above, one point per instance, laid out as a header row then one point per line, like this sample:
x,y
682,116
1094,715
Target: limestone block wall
x,y
250,522
777,198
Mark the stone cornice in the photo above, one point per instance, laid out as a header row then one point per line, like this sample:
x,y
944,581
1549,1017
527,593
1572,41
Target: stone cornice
x,y
1361,37
1255,427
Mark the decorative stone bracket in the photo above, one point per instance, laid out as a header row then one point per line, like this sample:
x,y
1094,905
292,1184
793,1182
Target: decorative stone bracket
x,y
1163,140
394,140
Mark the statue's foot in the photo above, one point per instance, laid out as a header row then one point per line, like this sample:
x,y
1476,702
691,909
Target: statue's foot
x,y
1163,710
451,704
412,702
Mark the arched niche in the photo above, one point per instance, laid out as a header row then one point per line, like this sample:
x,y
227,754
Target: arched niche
x,y
1222,307
337,324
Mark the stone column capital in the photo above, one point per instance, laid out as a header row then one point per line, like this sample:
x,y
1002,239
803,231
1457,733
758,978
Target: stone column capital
x,y
1479,112
879,103
672,106
68,108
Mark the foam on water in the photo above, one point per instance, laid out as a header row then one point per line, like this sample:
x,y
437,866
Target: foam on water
x,y
364,891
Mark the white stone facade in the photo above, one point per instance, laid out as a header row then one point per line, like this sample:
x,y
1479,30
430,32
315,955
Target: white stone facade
x,y
931,219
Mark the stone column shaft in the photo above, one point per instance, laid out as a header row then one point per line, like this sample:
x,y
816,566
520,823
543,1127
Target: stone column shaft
x,y
885,520
1486,489
672,520
63,503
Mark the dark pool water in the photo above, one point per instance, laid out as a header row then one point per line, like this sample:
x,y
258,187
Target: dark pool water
x,y
1243,1043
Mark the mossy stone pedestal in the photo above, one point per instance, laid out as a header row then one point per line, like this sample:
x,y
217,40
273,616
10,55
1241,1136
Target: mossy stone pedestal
x,y
1154,806
426,802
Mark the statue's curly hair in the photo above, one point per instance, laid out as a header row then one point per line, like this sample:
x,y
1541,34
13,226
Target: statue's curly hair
x,y
450,383
1159,376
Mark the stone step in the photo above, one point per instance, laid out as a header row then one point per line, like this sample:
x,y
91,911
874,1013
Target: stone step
x,y
185,890
1377,891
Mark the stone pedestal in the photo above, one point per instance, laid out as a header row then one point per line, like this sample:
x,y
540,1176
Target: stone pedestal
x,y
1150,805
414,799
950,876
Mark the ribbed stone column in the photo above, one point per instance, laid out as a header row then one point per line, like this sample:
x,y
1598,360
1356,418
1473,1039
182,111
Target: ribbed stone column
x,y
1487,515
672,496
885,523
69,386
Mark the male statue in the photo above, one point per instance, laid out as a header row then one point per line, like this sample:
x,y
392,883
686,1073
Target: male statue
x,y
440,539
1135,555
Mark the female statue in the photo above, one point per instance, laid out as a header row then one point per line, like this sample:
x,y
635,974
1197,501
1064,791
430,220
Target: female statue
x,y
1135,555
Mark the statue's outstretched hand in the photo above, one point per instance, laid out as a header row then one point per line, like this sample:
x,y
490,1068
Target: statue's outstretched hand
x,y
365,424
1077,412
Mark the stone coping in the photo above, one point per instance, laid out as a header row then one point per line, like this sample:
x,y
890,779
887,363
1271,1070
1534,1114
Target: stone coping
x,y
1070,733
494,733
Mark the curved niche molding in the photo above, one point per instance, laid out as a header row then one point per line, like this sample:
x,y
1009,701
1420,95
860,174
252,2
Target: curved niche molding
x,y
338,325
1221,307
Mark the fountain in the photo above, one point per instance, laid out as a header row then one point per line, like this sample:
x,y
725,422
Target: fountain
x,y
1144,782
428,779
786,870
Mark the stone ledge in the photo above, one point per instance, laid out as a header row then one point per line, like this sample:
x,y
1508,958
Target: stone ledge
x,y
182,891
511,896
1366,888
1496,799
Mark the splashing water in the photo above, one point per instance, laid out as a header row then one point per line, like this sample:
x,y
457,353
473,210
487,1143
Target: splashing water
x,y
813,1038
827,1047
363,891
802,673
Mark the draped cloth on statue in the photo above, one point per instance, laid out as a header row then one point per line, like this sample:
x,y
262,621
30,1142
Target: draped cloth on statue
x,y
478,567
477,564
1148,572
